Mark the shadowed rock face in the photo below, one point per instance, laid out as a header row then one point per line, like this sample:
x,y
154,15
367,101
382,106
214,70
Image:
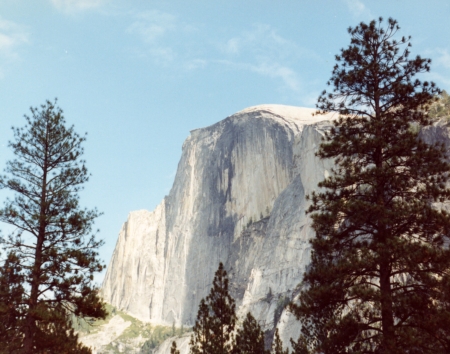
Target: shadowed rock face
x,y
238,198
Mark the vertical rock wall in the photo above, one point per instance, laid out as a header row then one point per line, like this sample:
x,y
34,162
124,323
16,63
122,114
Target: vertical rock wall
x,y
244,171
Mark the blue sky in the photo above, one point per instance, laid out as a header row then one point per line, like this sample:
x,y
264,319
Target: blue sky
x,y
139,75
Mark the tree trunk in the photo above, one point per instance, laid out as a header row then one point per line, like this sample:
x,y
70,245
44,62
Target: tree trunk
x,y
387,318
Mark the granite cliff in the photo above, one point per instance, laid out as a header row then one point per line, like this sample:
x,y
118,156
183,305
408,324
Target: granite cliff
x,y
238,198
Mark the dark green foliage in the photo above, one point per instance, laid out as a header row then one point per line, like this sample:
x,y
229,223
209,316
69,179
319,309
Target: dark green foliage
x,y
173,349
56,335
215,319
53,333
250,338
379,275
11,303
277,345
55,254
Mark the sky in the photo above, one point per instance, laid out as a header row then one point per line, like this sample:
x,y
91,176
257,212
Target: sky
x,y
138,75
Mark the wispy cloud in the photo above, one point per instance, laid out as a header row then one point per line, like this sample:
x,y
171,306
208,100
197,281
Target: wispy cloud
x,y
263,40
73,6
358,9
152,27
168,41
263,51
12,37
273,70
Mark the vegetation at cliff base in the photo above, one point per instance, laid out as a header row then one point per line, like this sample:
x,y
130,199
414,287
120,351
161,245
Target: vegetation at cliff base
x,y
441,107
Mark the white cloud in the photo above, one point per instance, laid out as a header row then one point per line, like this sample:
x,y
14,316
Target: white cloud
x,y
260,50
195,64
358,9
71,6
12,37
152,27
263,40
276,70
263,51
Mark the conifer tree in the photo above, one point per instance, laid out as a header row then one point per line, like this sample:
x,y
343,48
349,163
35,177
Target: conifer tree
x,y
202,337
173,348
379,275
216,319
53,243
250,338
277,345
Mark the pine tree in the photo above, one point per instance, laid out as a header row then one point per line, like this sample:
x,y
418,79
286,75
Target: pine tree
x,y
52,242
216,319
379,275
277,345
250,338
201,338
173,349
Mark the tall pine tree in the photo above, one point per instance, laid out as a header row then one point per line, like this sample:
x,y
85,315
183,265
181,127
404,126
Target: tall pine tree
x,y
379,275
53,242
216,319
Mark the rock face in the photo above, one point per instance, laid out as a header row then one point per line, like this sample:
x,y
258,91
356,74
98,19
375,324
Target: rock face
x,y
238,198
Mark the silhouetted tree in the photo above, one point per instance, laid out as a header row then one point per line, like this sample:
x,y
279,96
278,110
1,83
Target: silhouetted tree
x,y
379,275
216,319
52,243
250,338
